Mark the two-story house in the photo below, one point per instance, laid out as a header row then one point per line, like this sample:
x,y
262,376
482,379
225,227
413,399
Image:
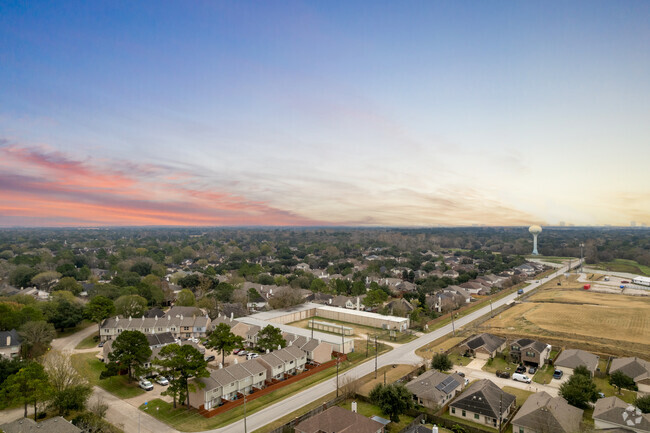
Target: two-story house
x,y
530,352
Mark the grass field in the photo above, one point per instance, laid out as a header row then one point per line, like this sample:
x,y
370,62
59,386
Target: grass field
x,y
90,368
440,345
621,265
522,395
571,317
88,342
544,375
392,374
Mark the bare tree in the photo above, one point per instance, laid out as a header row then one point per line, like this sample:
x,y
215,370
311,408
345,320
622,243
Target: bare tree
x,y
61,372
349,386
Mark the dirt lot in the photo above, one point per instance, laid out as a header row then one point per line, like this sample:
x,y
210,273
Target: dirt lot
x,y
392,374
571,317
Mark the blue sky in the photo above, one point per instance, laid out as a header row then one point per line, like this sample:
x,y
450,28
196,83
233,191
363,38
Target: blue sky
x,y
299,113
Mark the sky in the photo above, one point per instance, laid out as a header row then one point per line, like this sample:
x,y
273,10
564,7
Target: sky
x,y
334,113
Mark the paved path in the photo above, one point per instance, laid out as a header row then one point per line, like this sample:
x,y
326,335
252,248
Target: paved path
x,y
405,354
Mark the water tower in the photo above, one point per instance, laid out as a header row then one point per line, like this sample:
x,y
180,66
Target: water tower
x,y
535,230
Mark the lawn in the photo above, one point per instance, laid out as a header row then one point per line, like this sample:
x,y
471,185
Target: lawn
x,y
88,342
369,410
90,367
609,390
189,420
69,331
621,265
459,359
392,374
571,317
544,375
440,345
522,395
499,363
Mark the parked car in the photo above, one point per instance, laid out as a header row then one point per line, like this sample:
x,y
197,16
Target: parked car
x,y
252,355
503,374
162,380
242,353
520,291
209,358
236,351
520,377
521,369
460,373
532,370
557,374
146,385
625,282
101,344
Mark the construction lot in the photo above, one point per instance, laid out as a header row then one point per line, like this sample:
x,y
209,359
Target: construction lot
x,y
570,316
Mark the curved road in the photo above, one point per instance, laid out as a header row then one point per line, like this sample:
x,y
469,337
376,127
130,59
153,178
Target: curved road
x,y
405,354
131,419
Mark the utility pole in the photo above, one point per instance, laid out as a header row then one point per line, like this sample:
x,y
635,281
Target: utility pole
x,y
376,351
453,328
582,245
245,429
337,376
342,341
384,378
500,409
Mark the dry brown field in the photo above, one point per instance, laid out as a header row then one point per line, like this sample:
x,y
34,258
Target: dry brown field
x,y
569,316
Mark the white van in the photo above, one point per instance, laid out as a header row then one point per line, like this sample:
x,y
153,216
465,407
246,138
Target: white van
x,y
520,377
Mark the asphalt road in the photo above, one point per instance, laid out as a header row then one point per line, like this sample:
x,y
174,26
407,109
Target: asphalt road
x,y
131,419
405,354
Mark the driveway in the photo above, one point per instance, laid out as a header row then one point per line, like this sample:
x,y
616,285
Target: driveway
x,y
474,374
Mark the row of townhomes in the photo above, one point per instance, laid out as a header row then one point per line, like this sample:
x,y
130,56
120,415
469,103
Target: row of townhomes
x,y
236,380
181,322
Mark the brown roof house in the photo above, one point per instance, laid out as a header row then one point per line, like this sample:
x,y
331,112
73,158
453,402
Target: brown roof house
x,y
434,389
542,413
613,413
485,403
484,346
528,351
636,368
339,420
52,425
569,359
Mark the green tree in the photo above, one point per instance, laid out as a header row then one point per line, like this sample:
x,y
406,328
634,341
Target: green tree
x,y
643,403
582,370
22,276
224,340
131,305
441,362
579,390
44,279
28,386
63,313
9,366
375,297
131,350
392,399
37,337
73,398
181,363
69,284
317,285
269,338
98,309
621,380
185,298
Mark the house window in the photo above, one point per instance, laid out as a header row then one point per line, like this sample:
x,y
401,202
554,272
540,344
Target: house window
x,y
453,410
521,430
530,354
464,413
476,416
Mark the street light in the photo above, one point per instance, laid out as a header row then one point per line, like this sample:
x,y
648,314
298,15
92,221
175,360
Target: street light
x,y
140,413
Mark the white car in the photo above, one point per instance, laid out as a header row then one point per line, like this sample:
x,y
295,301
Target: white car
x,y
162,380
146,385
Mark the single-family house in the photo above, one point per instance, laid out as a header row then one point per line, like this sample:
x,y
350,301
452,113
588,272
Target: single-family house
x,y
339,420
53,425
530,352
483,402
484,346
569,359
433,389
613,413
10,343
636,368
542,413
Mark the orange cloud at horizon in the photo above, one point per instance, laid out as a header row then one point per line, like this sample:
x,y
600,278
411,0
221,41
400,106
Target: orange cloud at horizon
x,y
35,184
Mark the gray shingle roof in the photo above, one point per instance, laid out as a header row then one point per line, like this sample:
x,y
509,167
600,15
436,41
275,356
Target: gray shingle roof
x,y
616,411
487,341
571,358
541,412
14,338
485,398
427,385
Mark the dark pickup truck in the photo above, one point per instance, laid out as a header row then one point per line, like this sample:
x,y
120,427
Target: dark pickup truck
x,y
503,374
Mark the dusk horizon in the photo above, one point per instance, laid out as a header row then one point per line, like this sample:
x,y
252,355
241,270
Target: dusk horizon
x,y
313,114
